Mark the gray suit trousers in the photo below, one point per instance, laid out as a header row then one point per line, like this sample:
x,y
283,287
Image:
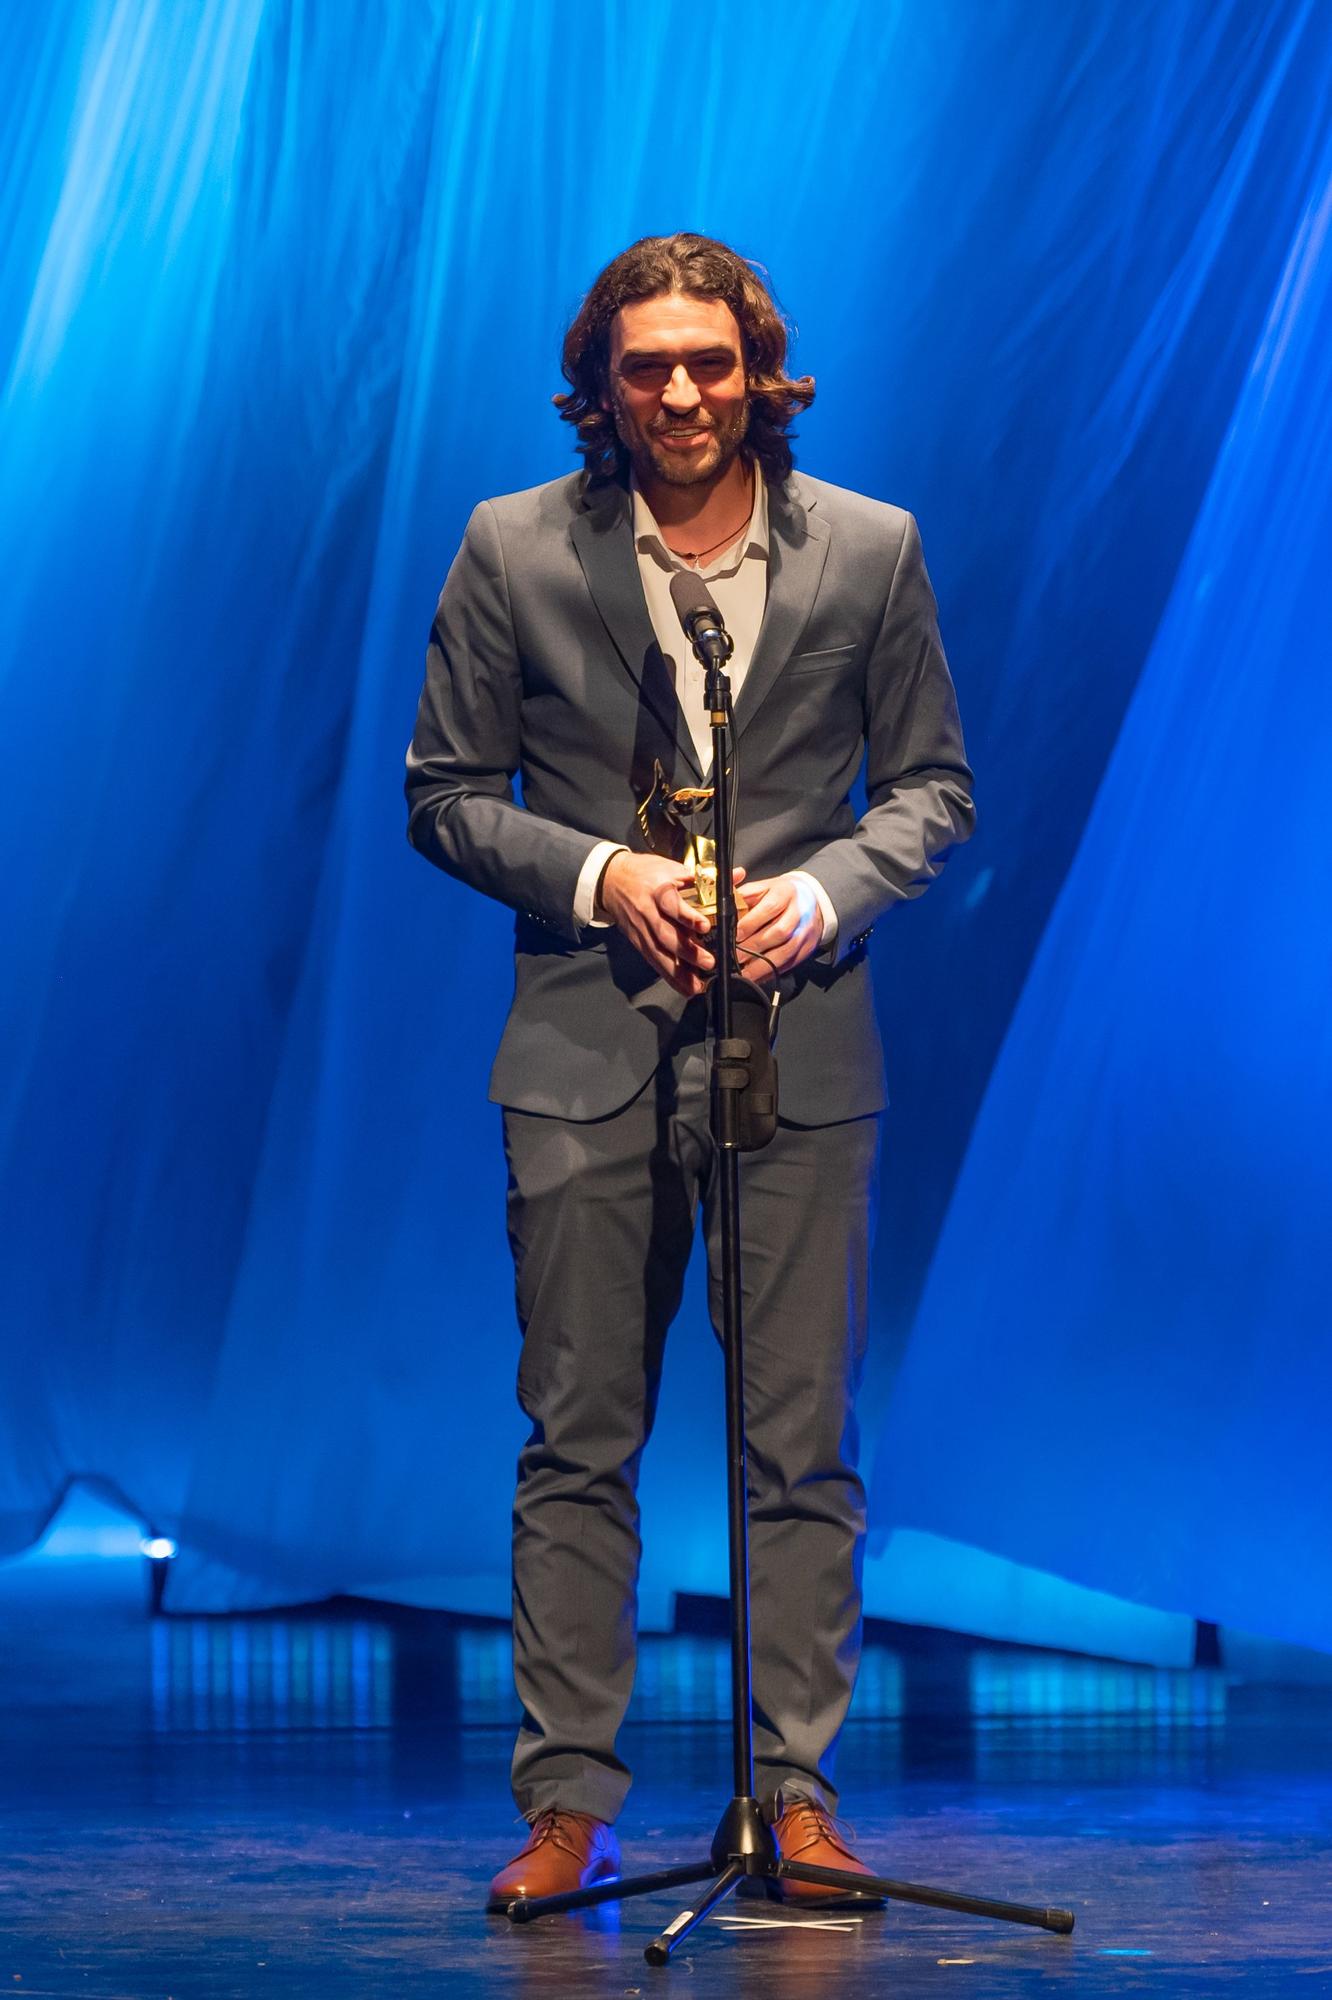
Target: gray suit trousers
x,y
601,1222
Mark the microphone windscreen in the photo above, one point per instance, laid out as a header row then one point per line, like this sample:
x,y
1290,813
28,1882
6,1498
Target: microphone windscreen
x,y
690,596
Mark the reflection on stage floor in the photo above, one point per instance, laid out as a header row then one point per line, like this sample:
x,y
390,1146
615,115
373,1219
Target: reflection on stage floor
x,y
312,1802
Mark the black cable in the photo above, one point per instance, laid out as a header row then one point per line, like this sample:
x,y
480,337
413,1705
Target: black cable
x,y
744,951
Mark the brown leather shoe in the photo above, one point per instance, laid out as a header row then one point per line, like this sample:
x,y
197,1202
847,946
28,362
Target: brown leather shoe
x,y
565,1850
805,1831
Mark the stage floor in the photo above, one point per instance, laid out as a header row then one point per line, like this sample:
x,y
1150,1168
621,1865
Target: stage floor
x,y
306,1805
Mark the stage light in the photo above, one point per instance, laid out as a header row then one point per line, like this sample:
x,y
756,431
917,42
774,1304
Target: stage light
x,y
159,1550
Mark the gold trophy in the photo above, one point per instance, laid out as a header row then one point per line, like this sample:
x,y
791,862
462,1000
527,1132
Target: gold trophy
x,y
664,815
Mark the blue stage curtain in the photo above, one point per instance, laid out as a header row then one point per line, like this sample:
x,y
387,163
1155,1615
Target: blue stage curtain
x,y
1121,1371
283,288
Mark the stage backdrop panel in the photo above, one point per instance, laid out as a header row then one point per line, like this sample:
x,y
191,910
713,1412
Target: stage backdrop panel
x,y
281,293
1122,1367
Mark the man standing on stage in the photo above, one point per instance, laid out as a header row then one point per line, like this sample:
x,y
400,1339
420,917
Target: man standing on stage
x,y
557,656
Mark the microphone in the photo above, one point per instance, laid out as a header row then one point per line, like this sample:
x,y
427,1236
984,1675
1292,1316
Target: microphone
x,y
702,621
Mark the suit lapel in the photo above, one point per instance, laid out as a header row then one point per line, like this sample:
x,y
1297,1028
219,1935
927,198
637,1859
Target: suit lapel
x,y
603,538
797,551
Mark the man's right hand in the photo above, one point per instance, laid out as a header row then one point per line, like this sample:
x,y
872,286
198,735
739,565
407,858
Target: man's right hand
x,y
641,894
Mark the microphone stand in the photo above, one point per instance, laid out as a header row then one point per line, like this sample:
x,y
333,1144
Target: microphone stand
x,y
743,1843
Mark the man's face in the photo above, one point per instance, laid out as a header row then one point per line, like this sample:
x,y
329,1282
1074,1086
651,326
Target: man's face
x,y
677,387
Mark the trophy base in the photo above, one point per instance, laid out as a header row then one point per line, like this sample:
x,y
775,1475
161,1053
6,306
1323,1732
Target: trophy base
x,y
705,899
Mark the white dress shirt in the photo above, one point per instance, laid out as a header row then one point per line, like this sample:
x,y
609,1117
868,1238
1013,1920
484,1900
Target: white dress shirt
x,y
738,581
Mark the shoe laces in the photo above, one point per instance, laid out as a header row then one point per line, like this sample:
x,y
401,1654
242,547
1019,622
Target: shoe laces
x,y
552,1824
815,1822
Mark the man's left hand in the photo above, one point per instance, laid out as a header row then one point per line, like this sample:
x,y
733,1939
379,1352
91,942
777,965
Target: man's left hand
x,y
783,921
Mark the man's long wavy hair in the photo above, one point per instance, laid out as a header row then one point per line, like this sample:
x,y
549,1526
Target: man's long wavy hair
x,y
703,268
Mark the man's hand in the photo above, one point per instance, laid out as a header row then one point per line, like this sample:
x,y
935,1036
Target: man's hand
x,y
783,921
640,893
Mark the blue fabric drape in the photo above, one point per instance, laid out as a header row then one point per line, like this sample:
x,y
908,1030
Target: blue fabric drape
x,y
1122,1366
282,293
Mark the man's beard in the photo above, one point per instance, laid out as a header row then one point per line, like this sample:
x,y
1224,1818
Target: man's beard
x,y
654,461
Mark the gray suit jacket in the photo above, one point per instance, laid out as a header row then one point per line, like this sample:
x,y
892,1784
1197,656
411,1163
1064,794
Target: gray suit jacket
x,y
543,666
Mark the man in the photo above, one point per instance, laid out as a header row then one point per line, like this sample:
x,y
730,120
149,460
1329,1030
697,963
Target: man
x,y
556,654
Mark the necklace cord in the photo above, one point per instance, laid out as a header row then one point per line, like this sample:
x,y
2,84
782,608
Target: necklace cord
x,y
696,555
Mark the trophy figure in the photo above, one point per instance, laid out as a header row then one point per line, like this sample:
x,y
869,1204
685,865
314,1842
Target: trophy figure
x,y
664,816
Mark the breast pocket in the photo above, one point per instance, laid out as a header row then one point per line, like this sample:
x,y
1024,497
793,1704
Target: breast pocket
x,y
821,662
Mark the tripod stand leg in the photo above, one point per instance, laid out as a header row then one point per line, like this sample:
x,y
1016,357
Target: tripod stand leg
x,y
660,1949
937,1899
524,1908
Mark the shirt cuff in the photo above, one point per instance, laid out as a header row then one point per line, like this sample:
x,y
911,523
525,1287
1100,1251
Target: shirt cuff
x,y
828,942
585,890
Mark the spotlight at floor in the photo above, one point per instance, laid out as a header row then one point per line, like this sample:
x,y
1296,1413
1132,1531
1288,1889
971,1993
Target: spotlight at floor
x,y
159,1550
